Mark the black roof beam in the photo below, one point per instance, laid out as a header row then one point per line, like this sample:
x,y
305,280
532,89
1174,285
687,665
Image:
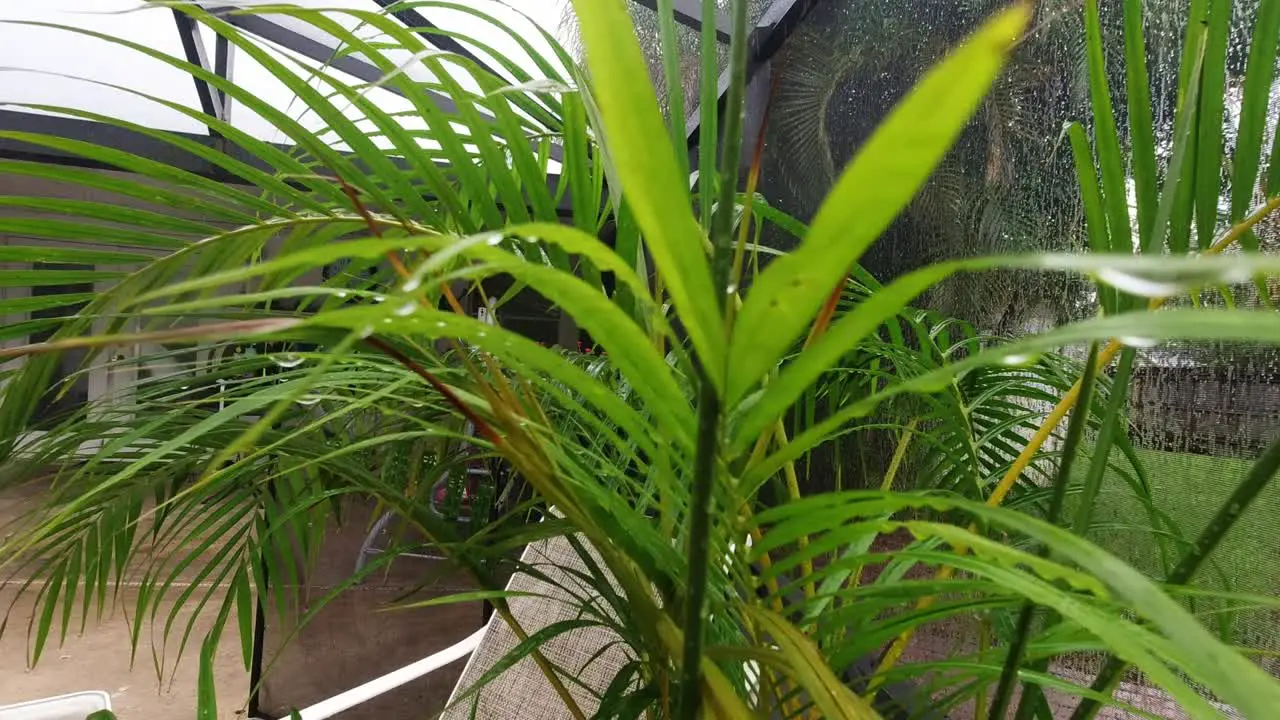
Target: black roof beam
x,y
213,102
150,147
689,13
773,28
102,134
352,64
411,18
223,63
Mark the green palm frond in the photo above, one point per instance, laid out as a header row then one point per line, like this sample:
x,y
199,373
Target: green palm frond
x,y
305,334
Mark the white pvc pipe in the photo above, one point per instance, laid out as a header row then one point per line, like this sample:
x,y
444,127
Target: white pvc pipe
x,y
328,708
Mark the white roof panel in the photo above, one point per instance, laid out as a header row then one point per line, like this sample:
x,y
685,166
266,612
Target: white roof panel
x,y
57,67
50,66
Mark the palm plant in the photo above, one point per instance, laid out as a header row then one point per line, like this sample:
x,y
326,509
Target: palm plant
x,y
725,366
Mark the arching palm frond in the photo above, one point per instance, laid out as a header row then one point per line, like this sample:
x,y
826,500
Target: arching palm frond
x,y
343,266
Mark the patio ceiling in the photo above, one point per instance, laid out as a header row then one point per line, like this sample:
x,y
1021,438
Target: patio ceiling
x,y
47,67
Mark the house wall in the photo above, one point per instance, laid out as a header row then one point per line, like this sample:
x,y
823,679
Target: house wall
x,y
1204,410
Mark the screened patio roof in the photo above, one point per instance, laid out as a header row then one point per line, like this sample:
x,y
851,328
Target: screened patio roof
x,y
53,67
41,65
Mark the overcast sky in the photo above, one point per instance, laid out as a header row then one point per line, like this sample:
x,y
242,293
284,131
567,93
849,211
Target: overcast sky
x,y
67,60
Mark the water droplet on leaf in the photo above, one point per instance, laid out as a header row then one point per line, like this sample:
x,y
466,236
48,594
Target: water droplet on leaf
x,y
1019,359
1179,278
1136,285
1139,342
287,360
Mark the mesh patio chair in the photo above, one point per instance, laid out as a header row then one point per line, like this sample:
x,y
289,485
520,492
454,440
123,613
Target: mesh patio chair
x,y
522,691
468,497
593,656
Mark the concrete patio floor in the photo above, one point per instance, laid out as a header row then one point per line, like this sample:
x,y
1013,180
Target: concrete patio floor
x,y
98,659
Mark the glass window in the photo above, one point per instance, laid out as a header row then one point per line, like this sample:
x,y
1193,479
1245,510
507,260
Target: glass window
x,y
68,390
35,314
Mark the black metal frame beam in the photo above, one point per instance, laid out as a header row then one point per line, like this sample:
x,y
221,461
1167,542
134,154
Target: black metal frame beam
x,y
779,20
213,102
773,28
689,13
432,33
352,64
152,148
223,66
317,51
103,134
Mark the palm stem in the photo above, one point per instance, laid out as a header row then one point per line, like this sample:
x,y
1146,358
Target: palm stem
x,y
1075,432
1106,436
675,87
698,547
899,453
744,223
708,438
548,670
793,493
708,122
500,605
895,464
984,644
